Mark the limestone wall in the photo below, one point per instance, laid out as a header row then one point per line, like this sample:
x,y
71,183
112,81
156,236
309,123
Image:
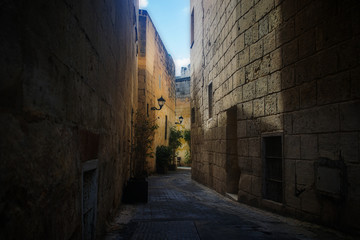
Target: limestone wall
x,y
288,69
68,86
156,79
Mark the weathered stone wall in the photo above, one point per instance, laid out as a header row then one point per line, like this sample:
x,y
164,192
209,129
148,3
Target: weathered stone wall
x,y
156,79
290,69
68,85
182,108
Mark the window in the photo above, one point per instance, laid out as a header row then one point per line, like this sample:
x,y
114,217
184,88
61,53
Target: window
x,y
272,187
192,29
210,97
160,81
165,127
192,115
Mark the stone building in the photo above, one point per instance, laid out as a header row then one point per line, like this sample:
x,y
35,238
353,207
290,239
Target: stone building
x,y
182,109
275,105
68,86
156,79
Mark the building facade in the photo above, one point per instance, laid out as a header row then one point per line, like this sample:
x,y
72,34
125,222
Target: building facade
x,y
182,109
68,87
156,79
275,105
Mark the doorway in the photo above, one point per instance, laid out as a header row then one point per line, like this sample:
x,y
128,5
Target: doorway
x,y
89,199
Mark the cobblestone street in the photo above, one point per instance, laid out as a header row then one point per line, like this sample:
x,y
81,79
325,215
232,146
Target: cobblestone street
x,y
180,208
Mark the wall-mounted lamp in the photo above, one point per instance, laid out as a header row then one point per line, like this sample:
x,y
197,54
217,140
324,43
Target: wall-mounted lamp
x,y
180,120
161,102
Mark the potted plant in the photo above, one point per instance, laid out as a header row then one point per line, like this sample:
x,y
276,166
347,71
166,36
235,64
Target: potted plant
x,y
136,189
163,157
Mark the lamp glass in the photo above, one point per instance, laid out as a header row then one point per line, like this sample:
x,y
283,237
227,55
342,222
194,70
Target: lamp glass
x,y
161,101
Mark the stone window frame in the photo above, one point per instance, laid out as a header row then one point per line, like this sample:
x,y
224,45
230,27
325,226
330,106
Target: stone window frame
x,y
89,166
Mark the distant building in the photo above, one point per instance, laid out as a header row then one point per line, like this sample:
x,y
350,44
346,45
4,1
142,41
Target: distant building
x,y
182,109
275,105
156,79
185,71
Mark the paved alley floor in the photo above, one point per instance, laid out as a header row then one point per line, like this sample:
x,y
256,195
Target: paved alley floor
x,y
180,208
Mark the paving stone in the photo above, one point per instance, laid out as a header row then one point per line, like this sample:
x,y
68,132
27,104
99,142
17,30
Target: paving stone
x,y
180,208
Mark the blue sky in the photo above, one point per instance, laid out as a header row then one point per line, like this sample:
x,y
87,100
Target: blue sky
x,y
172,21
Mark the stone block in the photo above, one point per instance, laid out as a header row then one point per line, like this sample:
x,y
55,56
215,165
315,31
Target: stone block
x,y
288,100
257,166
289,171
246,5
290,198
349,147
334,88
292,146
305,173
355,83
307,43
243,147
247,20
245,182
310,202
276,60
275,18
271,104
272,123
307,70
290,52
274,82
269,42
261,87
249,91
288,9
241,129
308,95
254,147
253,128
264,27
259,107
263,7
309,146
285,32
288,123
239,43
244,57
327,62
350,116
246,110
256,186
239,78
315,120
329,145
256,50
288,77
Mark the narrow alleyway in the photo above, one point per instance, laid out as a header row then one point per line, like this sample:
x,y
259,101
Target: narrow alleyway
x,y
180,208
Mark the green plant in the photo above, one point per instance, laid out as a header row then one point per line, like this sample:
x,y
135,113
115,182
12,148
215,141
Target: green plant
x,y
187,157
163,157
143,138
174,141
187,136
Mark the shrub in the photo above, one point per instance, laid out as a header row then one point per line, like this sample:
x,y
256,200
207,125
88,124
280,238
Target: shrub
x,y
163,157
